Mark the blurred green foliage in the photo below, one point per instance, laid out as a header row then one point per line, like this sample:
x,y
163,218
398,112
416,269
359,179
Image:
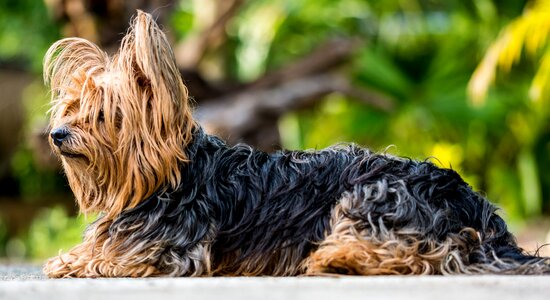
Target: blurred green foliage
x,y
419,53
53,231
26,31
34,181
3,238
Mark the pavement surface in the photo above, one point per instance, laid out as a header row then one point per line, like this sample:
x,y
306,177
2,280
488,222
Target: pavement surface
x,y
27,282
20,272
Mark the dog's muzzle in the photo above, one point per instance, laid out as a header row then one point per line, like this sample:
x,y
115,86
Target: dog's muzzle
x,y
59,135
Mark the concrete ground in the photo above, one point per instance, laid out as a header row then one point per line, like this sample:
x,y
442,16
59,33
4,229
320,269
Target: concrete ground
x,y
26,282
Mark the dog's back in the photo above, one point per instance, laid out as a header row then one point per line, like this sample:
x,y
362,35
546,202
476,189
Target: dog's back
x,y
339,210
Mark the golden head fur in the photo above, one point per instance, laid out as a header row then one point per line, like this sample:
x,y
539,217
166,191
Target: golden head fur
x,y
127,117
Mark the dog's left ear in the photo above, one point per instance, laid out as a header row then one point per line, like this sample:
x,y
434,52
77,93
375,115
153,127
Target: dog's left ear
x,y
161,98
156,124
152,60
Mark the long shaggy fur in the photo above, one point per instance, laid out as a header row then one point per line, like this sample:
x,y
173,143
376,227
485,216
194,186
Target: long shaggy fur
x,y
176,201
128,116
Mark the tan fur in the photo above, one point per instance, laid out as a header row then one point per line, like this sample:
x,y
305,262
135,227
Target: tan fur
x,y
141,82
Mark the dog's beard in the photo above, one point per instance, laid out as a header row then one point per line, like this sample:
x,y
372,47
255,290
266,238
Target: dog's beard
x,y
90,170
84,188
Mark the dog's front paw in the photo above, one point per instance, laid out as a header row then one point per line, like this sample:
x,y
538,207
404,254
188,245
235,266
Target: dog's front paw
x,y
61,266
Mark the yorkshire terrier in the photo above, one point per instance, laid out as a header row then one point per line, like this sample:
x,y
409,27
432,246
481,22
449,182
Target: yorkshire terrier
x,y
176,201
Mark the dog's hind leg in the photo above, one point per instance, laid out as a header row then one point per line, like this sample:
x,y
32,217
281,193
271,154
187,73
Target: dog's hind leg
x,y
353,249
382,229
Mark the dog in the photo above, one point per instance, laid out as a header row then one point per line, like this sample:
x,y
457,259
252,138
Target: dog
x,y
176,201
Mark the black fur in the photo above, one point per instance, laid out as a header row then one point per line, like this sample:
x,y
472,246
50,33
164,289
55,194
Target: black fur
x,y
250,205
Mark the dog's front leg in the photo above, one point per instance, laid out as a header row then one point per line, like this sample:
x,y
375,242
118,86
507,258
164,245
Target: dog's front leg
x,y
82,262
97,256
70,264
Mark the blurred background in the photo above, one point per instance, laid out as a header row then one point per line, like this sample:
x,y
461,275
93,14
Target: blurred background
x,y
465,83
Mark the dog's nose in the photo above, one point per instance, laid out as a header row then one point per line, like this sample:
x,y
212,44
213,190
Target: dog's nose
x,y
59,135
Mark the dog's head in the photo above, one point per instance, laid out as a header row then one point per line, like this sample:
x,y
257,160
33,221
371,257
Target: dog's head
x,y
119,124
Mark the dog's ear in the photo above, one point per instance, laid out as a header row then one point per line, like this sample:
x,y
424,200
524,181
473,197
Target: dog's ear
x,y
69,66
152,60
156,124
160,99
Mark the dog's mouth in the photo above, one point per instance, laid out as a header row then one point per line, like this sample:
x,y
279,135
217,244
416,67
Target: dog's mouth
x,y
72,155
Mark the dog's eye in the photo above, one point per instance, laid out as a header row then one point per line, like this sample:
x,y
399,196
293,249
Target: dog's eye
x,y
101,117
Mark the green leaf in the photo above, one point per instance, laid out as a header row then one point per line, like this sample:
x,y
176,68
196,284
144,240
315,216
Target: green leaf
x,y
530,184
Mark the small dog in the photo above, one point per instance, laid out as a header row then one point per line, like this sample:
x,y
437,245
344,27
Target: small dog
x,y
176,201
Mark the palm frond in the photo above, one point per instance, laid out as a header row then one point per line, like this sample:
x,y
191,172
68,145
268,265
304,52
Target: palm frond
x,y
530,31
